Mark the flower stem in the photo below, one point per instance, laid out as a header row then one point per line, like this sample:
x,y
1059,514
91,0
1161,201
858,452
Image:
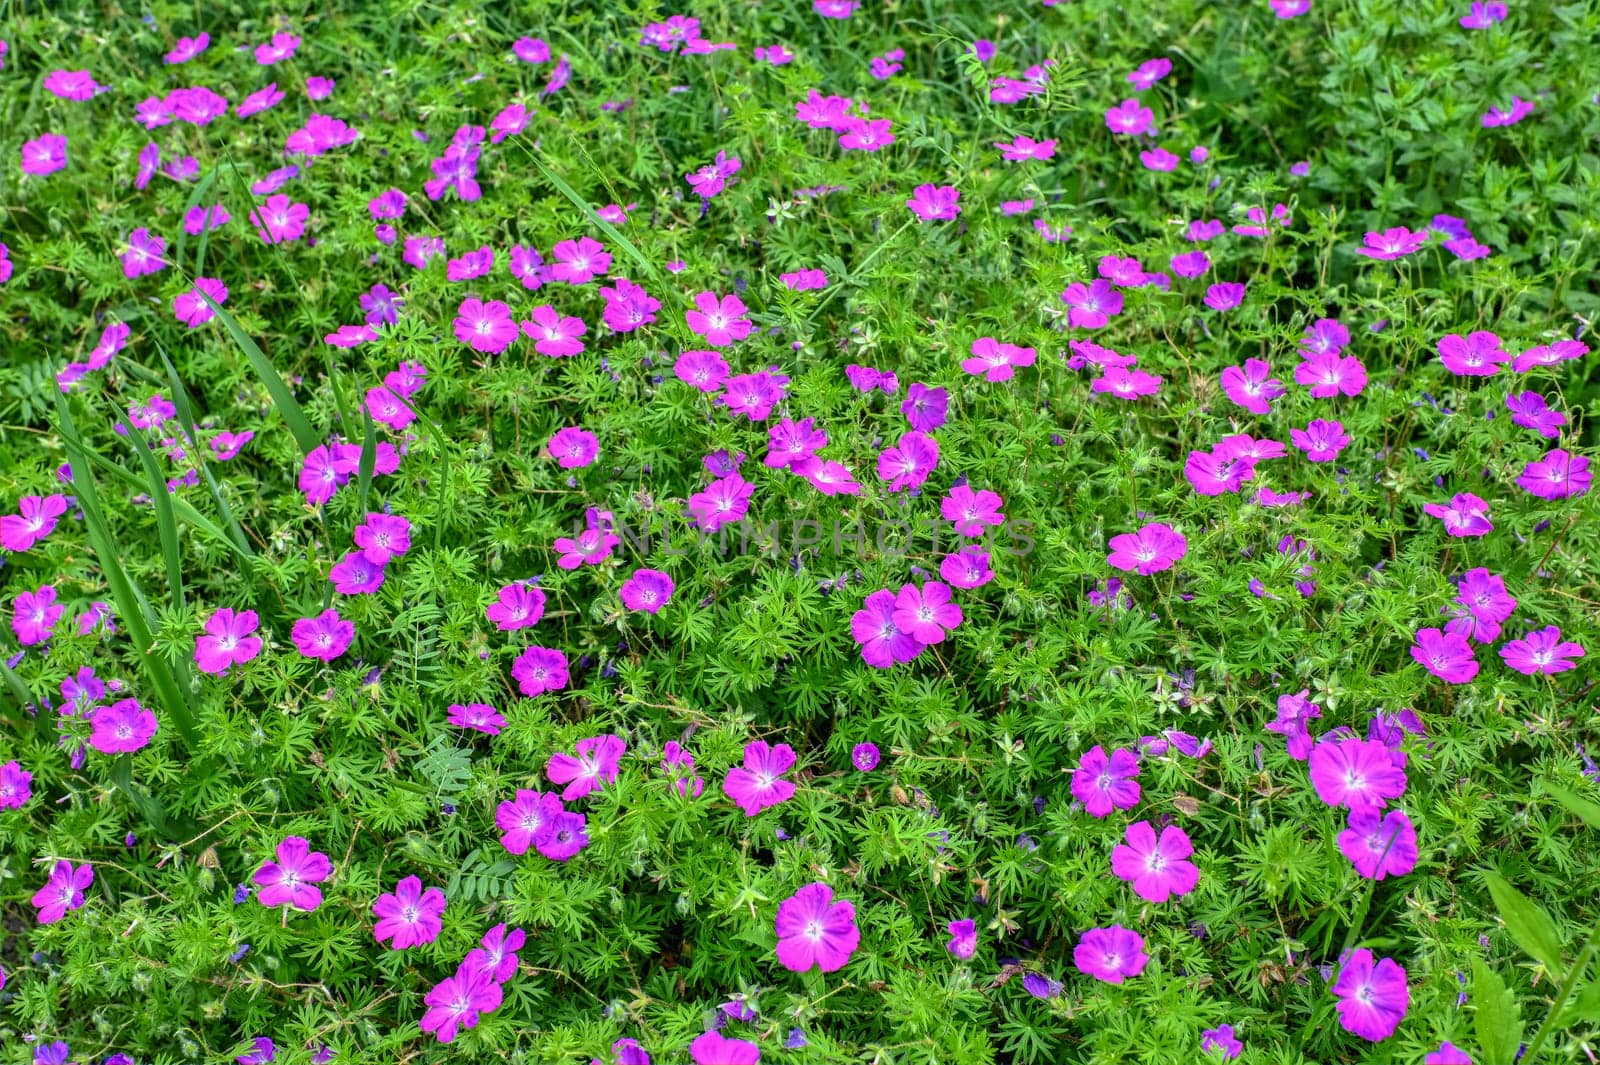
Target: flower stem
x,y
1567,984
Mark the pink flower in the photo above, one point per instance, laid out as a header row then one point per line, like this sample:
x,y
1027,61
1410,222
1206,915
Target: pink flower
x,y
279,220
1395,243
63,891
1157,868
648,590
34,615
188,48
1519,110
409,916
995,360
1476,355
1379,847
1373,996
883,644
540,669
35,519
757,784
1110,954
907,464
281,47
815,931
1465,515
718,319
1149,72
458,1001
865,135
594,765
969,512
935,203
486,327
517,606
554,334
1329,373
479,717
1541,651
704,370
578,261
1130,118
724,501
1252,386
1295,713
227,641
191,307
1103,783
926,613
1214,472
15,789
355,574
1125,383
963,942
1357,774
1549,355
144,254
291,880
714,1048
574,448
1558,475
44,155
527,820
1320,440
967,568
326,636
1155,547
1092,306
382,537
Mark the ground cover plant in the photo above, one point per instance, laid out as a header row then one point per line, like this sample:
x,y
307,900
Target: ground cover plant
x,y
787,532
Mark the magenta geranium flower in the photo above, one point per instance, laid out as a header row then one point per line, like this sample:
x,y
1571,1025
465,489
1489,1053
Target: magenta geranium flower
x,y
1447,655
1357,774
187,48
35,519
1126,383
925,613
1252,386
1214,472
1507,116
594,765
1153,548
496,954
963,942
574,448
1532,411
1110,954
1329,373
757,784
1541,651
1130,118
355,574
292,879
578,261
1149,72
1465,515
281,47
907,464
967,568
538,670
1448,1053
1373,996
191,308
724,501
44,155
1395,243
714,1048
1558,475
648,590
122,727
63,891
326,636
516,606
1106,782
925,407
1478,354
528,820
1320,440
479,717
382,537
486,327
144,254
227,640
409,916
718,319
935,203
1379,846
1549,355
1158,868
554,333
970,512
996,360
15,786
1092,305
458,1001
704,370
815,931
883,644
1484,597
280,220
1295,713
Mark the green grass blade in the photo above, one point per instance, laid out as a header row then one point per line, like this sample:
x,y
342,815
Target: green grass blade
x,y
369,462
24,699
304,435
166,522
130,605
180,400
589,212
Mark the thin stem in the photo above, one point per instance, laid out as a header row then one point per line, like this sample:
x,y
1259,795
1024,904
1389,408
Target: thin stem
x,y
1567,984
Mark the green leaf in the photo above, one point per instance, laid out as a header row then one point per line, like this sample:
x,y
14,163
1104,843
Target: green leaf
x,y
589,212
166,523
1528,923
304,435
131,608
1584,810
1497,1018
180,400
1585,1009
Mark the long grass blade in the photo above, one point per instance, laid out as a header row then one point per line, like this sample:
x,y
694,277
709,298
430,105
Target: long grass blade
x,y
180,400
130,602
589,212
166,522
288,408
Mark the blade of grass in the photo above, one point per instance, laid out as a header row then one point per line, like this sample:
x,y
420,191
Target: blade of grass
x,y
589,212
180,400
166,522
282,398
202,187
369,461
123,590
19,691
